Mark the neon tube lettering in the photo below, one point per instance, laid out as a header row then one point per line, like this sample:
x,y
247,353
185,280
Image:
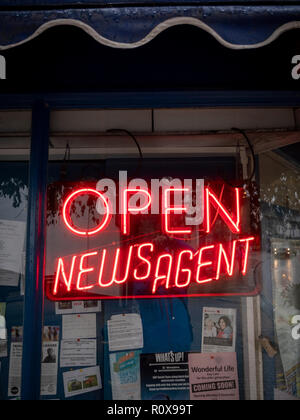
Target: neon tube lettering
x,y
104,252
234,225
83,270
159,276
229,266
246,256
219,259
147,262
127,209
167,209
138,262
201,264
67,206
117,263
61,269
179,269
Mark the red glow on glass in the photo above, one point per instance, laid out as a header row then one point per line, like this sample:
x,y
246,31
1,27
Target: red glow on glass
x,y
67,206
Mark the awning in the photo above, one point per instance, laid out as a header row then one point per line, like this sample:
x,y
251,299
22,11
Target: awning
x,y
235,27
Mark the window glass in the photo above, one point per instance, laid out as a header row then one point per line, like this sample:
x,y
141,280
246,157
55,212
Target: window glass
x,y
280,206
15,133
148,306
13,216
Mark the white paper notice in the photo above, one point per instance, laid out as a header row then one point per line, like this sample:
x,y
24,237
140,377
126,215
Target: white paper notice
x,y
81,381
76,307
125,331
12,237
78,352
79,326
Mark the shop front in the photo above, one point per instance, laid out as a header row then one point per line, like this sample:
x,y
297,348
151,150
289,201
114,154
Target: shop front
x,y
149,217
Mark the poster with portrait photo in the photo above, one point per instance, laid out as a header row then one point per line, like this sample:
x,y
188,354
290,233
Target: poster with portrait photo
x,y
218,330
49,365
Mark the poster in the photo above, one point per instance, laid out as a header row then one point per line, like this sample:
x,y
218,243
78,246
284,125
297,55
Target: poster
x,y
125,331
49,365
12,238
81,381
125,375
218,330
75,307
213,376
164,376
15,362
78,352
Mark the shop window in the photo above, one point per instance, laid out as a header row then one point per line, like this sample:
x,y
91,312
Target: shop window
x,y
130,294
149,306
14,167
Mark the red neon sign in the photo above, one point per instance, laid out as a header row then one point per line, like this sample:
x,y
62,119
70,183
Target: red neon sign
x,y
131,267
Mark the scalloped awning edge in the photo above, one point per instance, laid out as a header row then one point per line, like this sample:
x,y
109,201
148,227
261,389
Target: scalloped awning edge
x,y
168,23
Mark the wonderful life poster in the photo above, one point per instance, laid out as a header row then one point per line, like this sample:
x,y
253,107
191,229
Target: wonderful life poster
x,y
213,376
